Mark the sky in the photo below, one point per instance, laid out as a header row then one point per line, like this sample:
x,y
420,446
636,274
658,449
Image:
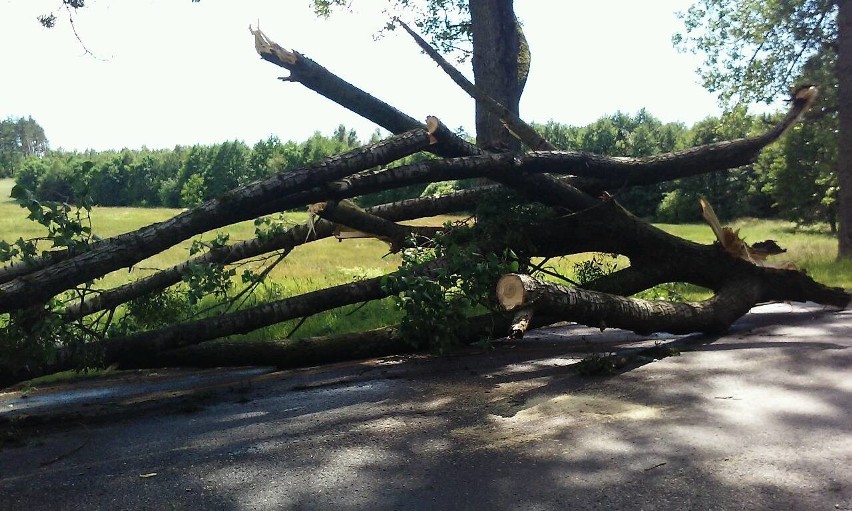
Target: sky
x,y
173,72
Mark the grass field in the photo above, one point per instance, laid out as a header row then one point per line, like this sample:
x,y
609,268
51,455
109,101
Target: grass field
x,y
311,266
327,262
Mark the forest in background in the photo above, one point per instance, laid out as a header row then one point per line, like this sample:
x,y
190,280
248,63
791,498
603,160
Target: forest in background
x,y
791,180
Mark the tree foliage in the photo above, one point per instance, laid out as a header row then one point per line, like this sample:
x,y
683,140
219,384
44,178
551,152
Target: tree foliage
x,y
754,50
179,177
446,23
805,184
20,138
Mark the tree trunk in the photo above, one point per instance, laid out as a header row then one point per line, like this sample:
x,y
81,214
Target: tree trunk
x,y
644,317
286,353
322,350
844,156
523,131
496,47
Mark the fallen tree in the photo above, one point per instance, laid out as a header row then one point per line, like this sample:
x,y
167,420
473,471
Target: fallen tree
x,y
566,210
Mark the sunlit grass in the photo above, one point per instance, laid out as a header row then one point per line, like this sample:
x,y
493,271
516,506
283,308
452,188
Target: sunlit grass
x,y
308,267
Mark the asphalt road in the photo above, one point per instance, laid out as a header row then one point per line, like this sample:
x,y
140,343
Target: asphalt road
x,y
760,418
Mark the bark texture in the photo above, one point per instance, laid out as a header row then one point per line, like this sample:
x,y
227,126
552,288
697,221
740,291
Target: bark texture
x,y
496,46
604,310
286,353
844,155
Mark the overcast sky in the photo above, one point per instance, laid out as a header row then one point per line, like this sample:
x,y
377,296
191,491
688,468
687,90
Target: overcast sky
x,y
173,72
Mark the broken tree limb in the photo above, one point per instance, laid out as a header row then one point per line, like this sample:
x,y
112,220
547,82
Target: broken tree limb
x,y
602,310
730,240
243,203
435,131
322,81
520,129
288,353
165,278
610,228
590,171
627,171
520,323
142,347
316,350
297,235
349,215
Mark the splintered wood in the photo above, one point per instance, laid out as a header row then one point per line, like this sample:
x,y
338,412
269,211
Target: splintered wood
x,y
730,240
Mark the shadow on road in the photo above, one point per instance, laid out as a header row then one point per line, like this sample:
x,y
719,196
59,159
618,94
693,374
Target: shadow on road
x,y
756,419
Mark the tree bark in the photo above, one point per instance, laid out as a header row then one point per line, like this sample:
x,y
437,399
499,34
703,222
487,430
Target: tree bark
x,y
320,80
644,317
496,46
322,350
844,156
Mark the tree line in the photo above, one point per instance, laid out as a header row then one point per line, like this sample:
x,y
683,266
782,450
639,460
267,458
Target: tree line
x,y
793,179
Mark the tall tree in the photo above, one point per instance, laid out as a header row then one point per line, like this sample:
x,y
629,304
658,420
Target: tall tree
x,y
844,112
755,51
496,50
19,138
488,32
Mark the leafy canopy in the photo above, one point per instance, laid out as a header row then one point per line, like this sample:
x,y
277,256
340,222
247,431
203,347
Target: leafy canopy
x,y
755,49
445,22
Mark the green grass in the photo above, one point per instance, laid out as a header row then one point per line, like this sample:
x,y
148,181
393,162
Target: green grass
x,y
309,267
329,262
